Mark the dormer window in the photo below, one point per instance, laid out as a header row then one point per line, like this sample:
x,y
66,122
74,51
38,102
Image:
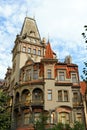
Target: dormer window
x,y
74,77
61,76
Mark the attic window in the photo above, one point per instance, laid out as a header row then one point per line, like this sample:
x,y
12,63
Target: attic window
x,y
32,33
74,78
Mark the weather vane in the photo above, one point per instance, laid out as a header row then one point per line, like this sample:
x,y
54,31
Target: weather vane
x,y
26,12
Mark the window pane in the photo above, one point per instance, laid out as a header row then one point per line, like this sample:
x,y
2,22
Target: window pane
x,y
75,97
34,51
24,49
61,76
26,119
79,117
35,75
29,50
36,116
74,78
28,75
60,95
65,95
39,52
49,94
49,73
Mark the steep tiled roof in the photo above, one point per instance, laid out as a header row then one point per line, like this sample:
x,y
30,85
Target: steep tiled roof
x,y
49,52
83,87
30,27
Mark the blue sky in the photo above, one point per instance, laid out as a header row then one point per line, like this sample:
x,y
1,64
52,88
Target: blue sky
x,y
61,20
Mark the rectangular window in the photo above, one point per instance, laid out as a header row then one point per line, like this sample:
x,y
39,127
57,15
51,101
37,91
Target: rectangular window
x,y
49,94
26,119
75,97
35,74
60,95
36,117
24,49
27,75
49,73
39,52
61,76
65,95
74,78
29,50
79,117
34,51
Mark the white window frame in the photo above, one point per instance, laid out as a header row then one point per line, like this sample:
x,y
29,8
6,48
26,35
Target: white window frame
x,y
24,49
29,50
39,52
61,75
49,73
74,78
34,51
49,94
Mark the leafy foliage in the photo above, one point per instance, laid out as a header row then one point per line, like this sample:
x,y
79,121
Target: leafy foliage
x,y
78,126
41,122
4,114
84,76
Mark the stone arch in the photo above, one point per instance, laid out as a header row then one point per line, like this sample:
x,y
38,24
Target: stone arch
x,y
25,95
37,94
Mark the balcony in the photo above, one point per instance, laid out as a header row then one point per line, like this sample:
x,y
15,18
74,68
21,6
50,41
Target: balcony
x,y
37,102
25,104
77,104
22,104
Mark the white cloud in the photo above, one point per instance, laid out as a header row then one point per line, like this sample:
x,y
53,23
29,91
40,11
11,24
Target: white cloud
x,y
62,20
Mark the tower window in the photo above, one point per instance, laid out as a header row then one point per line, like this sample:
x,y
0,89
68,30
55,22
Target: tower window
x,y
34,51
24,49
29,50
39,52
49,73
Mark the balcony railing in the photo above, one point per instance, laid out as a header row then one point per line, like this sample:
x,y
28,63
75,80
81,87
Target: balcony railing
x,y
28,103
22,104
76,104
36,102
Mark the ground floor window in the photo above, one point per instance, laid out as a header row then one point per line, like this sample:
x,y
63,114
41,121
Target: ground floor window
x,y
26,118
63,117
79,117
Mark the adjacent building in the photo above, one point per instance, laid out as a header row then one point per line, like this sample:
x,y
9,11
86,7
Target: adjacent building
x,y
83,85
39,82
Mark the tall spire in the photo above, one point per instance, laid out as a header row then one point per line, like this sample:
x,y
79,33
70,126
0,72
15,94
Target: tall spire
x,y
49,52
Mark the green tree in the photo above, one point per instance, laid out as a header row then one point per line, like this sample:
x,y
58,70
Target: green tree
x,y
41,122
5,120
78,126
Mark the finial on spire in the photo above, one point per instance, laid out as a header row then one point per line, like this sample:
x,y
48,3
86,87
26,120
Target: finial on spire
x,y
34,15
48,38
26,12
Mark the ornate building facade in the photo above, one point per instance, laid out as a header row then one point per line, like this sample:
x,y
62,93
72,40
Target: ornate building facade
x,y
39,82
